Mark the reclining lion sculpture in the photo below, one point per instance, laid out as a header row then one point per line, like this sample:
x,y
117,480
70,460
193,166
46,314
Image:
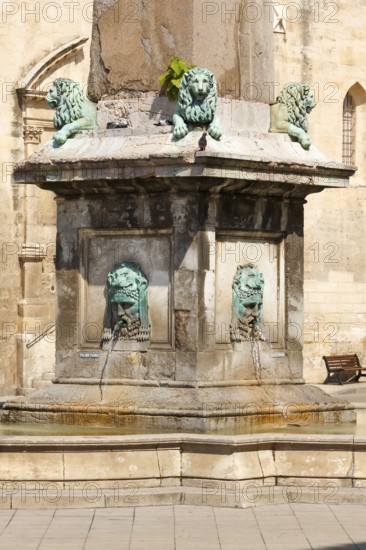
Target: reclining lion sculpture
x,y
74,112
197,99
289,113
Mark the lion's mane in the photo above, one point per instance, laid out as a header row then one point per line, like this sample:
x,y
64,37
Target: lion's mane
x,y
293,96
71,102
113,278
189,108
248,282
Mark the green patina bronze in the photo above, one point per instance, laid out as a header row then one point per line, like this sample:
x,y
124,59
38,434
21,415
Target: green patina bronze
x,y
197,100
127,309
247,303
289,113
74,112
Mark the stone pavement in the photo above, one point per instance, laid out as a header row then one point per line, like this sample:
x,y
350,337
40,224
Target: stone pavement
x,y
275,527
355,393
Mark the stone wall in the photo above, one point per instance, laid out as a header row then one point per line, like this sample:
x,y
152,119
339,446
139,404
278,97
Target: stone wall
x,y
31,33
322,46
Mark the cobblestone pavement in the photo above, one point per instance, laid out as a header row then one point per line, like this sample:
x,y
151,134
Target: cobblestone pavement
x,y
274,527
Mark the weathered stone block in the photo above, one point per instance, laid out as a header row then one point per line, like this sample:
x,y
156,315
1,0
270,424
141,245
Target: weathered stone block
x,y
232,466
185,330
185,286
321,463
134,52
30,466
116,465
169,463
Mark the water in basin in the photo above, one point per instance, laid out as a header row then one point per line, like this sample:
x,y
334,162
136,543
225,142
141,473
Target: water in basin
x,y
10,429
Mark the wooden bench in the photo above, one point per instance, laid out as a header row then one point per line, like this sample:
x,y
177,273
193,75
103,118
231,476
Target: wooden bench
x,y
344,368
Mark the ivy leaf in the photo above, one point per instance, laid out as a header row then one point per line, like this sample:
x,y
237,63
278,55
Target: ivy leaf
x,y
172,78
163,78
177,65
176,81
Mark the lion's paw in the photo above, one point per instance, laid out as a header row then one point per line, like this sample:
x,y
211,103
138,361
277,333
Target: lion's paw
x,y
60,137
180,130
215,130
305,142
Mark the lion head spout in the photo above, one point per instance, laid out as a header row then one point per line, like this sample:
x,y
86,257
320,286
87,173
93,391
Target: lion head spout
x,y
127,311
247,303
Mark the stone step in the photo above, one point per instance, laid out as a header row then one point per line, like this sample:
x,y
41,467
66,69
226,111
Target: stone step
x,y
23,392
88,494
12,398
48,376
39,383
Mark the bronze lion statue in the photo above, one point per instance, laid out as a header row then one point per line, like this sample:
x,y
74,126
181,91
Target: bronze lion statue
x,y
74,112
197,99
289,113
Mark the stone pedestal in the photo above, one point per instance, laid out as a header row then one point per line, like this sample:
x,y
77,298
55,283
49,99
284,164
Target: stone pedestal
x,y
188,218
188,243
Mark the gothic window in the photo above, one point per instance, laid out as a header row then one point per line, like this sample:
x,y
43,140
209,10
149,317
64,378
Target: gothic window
x,y
349,127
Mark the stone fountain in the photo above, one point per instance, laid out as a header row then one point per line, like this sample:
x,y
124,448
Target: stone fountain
x,y
180,239
179,277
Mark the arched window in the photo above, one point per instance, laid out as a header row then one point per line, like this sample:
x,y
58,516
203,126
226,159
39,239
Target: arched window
x,y
349,130
354,130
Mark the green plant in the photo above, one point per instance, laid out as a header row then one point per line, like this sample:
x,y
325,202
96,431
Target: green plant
x,y
172,78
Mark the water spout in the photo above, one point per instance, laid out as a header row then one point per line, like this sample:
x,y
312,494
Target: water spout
x,y
104,369
254,348
256,335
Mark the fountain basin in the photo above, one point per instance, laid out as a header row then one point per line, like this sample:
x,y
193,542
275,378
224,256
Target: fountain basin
x,y
189,219
168,407
149,469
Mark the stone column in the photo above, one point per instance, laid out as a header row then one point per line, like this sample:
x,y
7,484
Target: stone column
x,y
256,51
133,43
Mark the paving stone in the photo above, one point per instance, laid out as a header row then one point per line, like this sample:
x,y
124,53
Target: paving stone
x,y
285,527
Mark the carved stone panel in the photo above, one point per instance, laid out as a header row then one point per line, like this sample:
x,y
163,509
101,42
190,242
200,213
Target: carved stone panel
x,y
105,250
32,134
266,256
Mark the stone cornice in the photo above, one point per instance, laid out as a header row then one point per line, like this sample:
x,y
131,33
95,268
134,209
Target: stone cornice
x,y
114,161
